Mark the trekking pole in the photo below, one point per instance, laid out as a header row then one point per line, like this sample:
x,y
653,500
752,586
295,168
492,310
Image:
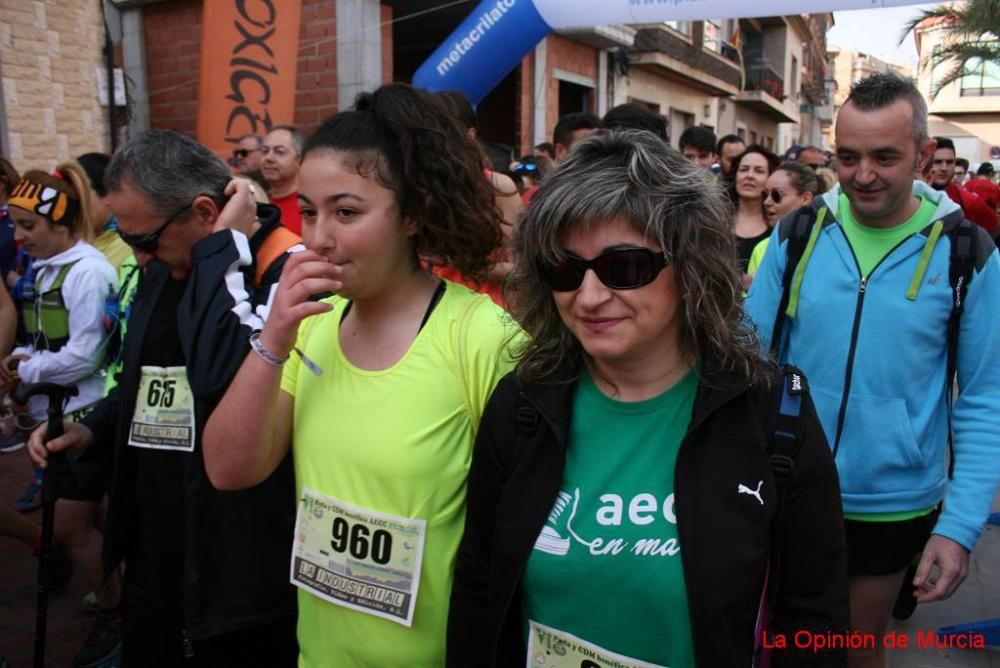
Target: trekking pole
x,y
57,395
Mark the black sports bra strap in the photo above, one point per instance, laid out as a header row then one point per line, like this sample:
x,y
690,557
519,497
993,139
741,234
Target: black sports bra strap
x,y
435,300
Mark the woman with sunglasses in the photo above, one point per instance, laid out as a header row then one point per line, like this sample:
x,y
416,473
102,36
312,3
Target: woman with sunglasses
x,y
751,169
790,187
621,503
64,318
379,393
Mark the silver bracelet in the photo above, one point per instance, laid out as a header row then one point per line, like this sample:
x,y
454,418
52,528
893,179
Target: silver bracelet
x,y
265,354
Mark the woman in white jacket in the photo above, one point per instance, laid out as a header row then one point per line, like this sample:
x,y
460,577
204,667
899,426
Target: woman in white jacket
x,y
64,321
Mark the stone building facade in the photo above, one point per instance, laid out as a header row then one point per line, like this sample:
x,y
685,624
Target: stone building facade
x,y
50,53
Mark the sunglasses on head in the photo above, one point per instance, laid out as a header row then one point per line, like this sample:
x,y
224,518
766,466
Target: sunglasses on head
x,y
150,241
775,196
618,269
244,152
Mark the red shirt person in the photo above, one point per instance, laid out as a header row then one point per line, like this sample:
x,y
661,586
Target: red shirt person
x,y
942,174
281,153
982,185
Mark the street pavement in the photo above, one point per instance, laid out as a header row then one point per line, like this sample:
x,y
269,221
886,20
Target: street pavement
x,y
67,621
978,598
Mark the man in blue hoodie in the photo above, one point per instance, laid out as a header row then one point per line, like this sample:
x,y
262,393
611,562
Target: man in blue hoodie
x,y
867,319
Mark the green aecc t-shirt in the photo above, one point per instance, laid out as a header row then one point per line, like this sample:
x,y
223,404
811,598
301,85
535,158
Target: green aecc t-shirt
x,y
606,568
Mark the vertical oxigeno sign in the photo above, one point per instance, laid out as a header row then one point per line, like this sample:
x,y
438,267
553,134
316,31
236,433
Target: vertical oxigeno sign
x,y
249,56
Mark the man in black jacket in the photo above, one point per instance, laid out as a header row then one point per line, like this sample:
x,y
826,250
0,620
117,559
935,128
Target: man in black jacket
x,y
206,579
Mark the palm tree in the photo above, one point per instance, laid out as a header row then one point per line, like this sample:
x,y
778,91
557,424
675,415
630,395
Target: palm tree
x,y
974,38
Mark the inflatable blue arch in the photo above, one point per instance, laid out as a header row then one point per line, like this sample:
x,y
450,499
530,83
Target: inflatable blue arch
x,y
494,38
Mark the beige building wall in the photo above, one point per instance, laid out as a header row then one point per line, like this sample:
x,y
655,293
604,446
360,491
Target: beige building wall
x,y
950,98
49,55
956,115
757,128
682,105
843,67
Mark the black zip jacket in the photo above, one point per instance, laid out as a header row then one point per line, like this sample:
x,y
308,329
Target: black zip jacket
x,y
726,541
237,545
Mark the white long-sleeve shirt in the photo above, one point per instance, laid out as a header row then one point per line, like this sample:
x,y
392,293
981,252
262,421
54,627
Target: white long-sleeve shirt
x,y
84,291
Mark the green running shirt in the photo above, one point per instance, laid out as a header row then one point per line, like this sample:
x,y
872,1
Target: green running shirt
x,y
871,244
606,567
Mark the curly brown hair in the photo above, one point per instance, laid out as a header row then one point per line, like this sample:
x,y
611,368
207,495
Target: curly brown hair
x,y
412,144
669,200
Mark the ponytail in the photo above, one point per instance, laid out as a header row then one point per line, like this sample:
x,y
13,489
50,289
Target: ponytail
x,y
802,177
82,226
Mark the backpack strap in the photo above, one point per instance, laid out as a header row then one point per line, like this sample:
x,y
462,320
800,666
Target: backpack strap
x,y
961,266
58,281
786,429
781,458
277,243
46,316
798,237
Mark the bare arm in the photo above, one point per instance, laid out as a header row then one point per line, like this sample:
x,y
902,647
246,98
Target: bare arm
x,y
508,200
249,432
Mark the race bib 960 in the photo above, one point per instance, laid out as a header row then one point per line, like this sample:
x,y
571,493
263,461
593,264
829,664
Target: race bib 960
x,y
357,558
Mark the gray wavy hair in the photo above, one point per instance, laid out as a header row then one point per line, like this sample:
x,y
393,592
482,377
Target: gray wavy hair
x,y
170,169
669,200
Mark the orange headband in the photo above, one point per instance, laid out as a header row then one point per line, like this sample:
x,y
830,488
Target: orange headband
x,y
46,201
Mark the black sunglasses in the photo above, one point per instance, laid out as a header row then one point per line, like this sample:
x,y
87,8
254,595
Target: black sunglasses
x,y
148,242
244,152
620,269
775,196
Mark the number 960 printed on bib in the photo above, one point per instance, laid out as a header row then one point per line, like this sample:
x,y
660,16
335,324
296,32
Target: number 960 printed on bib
x,y
358,558
164,410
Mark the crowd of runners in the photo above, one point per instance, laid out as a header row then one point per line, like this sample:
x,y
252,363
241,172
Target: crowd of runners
x,y
382,396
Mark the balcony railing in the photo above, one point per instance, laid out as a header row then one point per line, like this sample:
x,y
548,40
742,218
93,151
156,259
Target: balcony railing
x,y
729,52
767,80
